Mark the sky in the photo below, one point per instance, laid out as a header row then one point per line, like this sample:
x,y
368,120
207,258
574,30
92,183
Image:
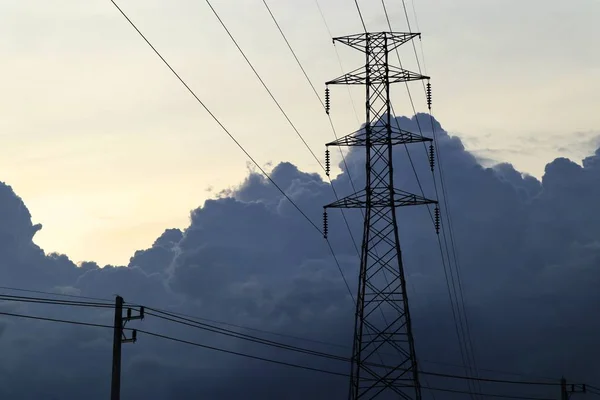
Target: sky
x,y
529,253
106,159
113,180
108,149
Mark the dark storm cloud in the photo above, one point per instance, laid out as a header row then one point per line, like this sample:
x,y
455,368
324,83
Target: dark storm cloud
x,y
529,253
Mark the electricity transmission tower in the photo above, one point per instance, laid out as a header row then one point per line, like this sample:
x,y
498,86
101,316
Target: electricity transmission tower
x,y
383,356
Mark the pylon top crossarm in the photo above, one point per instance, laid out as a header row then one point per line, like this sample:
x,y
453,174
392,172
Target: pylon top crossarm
x,y
360,41
378,70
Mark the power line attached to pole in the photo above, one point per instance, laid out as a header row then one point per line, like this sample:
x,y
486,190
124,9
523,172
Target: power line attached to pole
x,y
119,338
567,389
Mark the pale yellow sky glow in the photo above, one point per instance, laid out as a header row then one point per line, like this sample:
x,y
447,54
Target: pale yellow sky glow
x,y
107,149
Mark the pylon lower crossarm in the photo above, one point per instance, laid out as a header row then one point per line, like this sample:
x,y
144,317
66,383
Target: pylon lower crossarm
x,y
380,199
398,136
398,74
356,77
359,77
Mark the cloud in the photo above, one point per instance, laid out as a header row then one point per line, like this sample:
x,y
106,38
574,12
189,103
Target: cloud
x,y
529,254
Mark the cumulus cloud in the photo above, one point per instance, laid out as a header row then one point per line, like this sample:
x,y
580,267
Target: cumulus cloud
x,y
529,253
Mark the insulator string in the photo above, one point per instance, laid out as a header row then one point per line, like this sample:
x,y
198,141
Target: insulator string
x,y
429,95
431,157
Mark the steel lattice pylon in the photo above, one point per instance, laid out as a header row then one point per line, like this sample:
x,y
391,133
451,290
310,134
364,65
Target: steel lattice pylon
x,y
383,355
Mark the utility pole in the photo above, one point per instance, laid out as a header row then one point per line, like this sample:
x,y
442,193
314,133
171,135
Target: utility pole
x,y
119,338
383,354
567,389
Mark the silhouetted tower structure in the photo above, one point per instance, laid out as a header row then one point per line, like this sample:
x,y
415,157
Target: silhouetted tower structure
x,y
383,355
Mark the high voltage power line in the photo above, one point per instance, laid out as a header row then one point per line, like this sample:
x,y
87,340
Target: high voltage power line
x,y
330,123
110,304
449,279
247,337
347,169
397,124
444,193
362,20
462,327
24,299
260,79
274,99
270,93
175,318
262,341
60,320
75,296
354,189
325,168
339,59
459,324
335,136
243,354
214,117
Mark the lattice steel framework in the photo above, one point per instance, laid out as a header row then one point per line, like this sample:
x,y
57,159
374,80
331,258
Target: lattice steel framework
x,y
383,355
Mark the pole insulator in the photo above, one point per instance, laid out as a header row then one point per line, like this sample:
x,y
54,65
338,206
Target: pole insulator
x,y
431,157
437,220
325,224
327,162
428,95
327,100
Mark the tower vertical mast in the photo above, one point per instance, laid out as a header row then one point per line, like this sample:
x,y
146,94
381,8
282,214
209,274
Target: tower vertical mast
x,y
383,358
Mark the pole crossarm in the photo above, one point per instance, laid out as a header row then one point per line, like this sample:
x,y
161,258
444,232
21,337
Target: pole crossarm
x,y
398,136
380,198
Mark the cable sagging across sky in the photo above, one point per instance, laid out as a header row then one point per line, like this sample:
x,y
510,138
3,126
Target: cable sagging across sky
x,y
173,318
262,170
